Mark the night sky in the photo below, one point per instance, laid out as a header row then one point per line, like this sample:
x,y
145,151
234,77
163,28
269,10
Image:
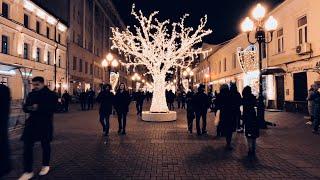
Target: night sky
x,y
224,16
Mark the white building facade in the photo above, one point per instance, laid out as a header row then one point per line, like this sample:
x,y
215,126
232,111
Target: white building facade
x,y
294,53
33,43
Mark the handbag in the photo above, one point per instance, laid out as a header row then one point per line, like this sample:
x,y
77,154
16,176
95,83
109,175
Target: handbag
x,y
217,118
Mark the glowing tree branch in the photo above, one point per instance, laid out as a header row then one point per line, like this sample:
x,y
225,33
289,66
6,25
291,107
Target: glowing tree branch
x,y
157,48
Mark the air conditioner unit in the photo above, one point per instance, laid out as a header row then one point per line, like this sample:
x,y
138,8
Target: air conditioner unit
x,y
304,48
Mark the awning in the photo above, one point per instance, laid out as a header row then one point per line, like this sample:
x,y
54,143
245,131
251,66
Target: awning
x,y
272,70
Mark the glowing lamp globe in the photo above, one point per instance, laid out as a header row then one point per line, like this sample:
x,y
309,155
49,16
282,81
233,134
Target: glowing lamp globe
x,y
271,24
109,57
185,73
114,63
104,63
191,73
247,25
258,12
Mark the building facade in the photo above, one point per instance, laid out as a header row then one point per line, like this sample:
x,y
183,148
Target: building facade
x,y
33,43
89,43
291,61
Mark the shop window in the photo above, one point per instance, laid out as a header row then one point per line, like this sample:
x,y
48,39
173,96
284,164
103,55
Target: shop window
x,y
5,10
5,44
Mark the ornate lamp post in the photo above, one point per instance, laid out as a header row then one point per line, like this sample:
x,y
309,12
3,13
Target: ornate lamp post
x,y
188,74
135,78
109,63
262,27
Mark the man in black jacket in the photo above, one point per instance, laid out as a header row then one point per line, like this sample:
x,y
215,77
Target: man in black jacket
x,y
190,110
105,98
139,102
40,104
4,142
66,98
201,105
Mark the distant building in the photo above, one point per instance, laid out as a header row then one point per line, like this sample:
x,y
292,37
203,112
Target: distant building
x,y
89,42
291,61
33,43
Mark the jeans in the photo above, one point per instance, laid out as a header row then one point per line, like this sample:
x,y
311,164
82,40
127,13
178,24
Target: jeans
x,y
122,120
251,144
190,117
28,155
139,108
104,120
203,115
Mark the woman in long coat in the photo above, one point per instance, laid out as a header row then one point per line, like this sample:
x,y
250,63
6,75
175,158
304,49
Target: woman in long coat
x,y
227,124
4,142
250,119
122,102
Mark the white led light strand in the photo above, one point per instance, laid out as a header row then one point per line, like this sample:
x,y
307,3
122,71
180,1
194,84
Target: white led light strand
x,y
157,48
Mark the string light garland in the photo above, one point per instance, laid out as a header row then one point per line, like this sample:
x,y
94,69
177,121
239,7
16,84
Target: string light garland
x,y
153,45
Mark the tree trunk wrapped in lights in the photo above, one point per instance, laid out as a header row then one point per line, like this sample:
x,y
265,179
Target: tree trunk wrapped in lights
x,y
154,46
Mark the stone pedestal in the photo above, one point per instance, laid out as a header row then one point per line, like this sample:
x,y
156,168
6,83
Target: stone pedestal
x,y
159,117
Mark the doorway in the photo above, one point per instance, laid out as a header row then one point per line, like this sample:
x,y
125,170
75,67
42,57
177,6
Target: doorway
x,y
300,86
280,91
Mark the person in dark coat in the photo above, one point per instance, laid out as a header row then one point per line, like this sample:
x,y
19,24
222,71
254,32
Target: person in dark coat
x,y
227,124
122,102
90,98
250,120
40,104
139,97
200,105
105,99
83,100
5,100
235,106
170,99
316,110
190,110
183,100
66,98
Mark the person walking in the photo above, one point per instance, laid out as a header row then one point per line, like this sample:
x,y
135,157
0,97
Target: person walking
x,y
40,104
235,97
183,100
139,102
310,100
250,120
227,124
105,99
122,102
200,106
66,98
170,99
179,98
316,110
83,100
90,98
5,100
190,110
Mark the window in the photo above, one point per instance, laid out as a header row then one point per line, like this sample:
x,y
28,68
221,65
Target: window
x,y
48,32
5,10
219,67
26,21
38,55
263,50
225,64
74,63
59,61
38,27
91,69
302,30
86,67
59,38
5,44
26,51
80,65
48,57
234,60
280,41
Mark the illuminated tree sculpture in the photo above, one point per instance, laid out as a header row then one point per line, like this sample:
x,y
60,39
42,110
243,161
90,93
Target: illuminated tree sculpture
x,y
154,46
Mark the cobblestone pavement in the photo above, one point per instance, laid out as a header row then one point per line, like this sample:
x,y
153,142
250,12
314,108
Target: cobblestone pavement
x,y
166,151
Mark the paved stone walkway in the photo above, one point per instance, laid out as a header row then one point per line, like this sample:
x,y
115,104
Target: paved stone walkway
x,y
166,151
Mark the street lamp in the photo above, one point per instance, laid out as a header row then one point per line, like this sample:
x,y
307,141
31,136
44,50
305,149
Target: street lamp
x,y
188,74
135,77
262,28
109,63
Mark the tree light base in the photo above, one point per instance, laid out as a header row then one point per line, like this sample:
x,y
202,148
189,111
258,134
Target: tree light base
x,y
159,116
